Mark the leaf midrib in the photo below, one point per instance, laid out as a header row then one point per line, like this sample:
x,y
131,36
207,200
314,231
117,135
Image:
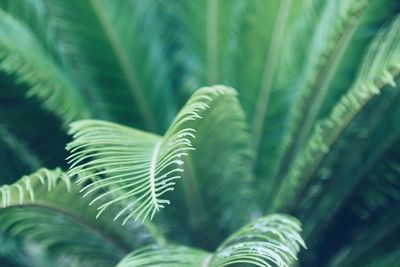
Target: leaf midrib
x,y
270,64
124,248
127,69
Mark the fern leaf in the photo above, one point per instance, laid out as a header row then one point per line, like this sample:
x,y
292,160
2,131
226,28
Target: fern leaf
x,y
168,256
21,54
336,26
140,166
48,202
380,66
268,242
126,53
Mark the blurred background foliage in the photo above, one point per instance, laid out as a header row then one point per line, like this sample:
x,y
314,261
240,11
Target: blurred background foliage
x,y
318,82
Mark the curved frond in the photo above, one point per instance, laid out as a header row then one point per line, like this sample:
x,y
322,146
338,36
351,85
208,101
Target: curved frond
x,y
380,67
22,55
168,256
139,167
45,205
116,51
272,241
336,25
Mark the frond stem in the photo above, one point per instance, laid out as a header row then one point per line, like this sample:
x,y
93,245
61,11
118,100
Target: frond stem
x,y
127,68
124,248
271,61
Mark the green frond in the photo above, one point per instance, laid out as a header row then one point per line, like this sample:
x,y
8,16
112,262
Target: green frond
x,y
218,182
270,241
207,37
23,190
124,68
273,240
168,256
22,55
138,166
292,54
41,207
379,68
336,25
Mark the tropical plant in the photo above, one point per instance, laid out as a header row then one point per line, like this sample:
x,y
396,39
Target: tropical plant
x,y
119,145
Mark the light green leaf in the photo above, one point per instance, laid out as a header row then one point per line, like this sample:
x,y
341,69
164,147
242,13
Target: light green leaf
x,y
22,55
272,241
45,205
380,67
139,167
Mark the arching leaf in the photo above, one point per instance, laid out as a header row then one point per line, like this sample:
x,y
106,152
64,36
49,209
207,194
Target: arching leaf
x,y
45,205
272,241
139,167
22,55
380,68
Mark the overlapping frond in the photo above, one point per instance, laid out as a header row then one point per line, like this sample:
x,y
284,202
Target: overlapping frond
x,y
22,55
380,67
138,167
272,241
167,256
116,52
336,25
269,241
218,181
41,207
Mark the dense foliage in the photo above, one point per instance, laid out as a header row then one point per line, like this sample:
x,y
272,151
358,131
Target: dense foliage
x,y
200,133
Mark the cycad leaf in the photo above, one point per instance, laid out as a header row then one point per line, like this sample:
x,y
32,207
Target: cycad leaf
x,y
22,55
272,241
38,207
336,25
168,256
335,28
380,67
217,183
139,167
117,45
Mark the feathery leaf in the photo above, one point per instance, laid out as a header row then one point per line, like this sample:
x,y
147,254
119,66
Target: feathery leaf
x,y
380,67
138,166
272,241
21,54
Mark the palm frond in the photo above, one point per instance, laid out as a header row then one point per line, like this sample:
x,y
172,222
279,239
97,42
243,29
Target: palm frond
x,y
270,241
38,207
207,38
139,166
22,55
283,93
125,54
217,183
167,256
380,67
336,26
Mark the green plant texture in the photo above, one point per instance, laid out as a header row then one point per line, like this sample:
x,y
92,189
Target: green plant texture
x,y
199,133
